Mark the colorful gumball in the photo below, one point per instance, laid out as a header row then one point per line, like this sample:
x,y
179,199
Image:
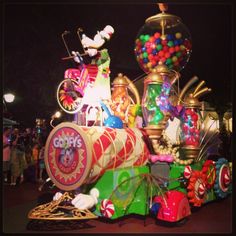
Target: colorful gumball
x,y
174,44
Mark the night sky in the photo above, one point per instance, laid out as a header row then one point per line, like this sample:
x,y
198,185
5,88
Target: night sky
x,y
33,48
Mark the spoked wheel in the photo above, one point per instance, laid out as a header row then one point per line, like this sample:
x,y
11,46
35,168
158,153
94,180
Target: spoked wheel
x,y
69,96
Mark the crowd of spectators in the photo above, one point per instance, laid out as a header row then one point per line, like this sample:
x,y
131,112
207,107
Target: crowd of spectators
x,y
23,155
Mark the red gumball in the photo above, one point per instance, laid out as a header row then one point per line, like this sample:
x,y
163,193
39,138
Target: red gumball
x,y
163,59
150,57
176,63
166,49
152,39
149,50
157,35
153,62
185,129
153,45
167,55
161,53
188,112
172,50
147,44
156,57
177,48
194,117
164,42
197,132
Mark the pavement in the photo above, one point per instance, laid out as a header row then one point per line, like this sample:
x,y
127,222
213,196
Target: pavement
x,y
214,217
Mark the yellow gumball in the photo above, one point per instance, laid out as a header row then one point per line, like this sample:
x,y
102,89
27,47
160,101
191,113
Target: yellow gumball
x,y
178,35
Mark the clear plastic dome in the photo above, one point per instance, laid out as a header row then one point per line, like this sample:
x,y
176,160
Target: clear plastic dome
x,y
164,39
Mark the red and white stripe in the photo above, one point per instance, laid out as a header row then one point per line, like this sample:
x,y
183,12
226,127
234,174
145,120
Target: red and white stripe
x,y
187,172
201,189
116,148
107,208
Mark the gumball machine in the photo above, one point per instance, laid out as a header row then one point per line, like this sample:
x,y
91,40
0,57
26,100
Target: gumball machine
x,y
191,122
163,39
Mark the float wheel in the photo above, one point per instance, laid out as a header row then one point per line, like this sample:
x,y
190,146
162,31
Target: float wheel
x,y
68,97
223,178
197,188
209,170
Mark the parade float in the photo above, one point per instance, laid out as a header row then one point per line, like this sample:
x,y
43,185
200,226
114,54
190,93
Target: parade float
x,y
123,154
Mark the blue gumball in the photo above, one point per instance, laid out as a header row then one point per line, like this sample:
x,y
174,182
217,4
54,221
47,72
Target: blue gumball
x,y
144,49
154,52
176,42
158,41
170,37
180,41
145,60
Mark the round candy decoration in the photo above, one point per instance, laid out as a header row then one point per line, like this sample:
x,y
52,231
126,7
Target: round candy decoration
x,y
223,178
187,172
197,188
209,170
107,208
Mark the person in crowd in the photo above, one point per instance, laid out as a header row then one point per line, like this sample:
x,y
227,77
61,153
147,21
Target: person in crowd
x,y
41,160
6,152
35,153
28,142
18,162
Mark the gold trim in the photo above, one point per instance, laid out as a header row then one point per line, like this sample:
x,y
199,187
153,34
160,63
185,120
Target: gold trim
x,y
190,152
175,20
58,210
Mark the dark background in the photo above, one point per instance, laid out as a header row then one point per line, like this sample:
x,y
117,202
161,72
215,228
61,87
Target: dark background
x,y
33,48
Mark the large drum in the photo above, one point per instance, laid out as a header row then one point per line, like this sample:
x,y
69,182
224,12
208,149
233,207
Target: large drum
x,y
77,155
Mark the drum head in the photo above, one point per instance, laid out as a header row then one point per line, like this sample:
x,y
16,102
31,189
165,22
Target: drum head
x,y
68,156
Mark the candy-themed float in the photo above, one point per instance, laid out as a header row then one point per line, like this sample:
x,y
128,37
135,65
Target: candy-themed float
x,y
124,154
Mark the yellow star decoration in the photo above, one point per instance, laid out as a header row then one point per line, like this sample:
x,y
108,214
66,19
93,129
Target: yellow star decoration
x,y
67,177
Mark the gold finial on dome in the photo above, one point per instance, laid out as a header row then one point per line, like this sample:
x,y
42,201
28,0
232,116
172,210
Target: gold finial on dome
x,y
163,7
191,102
120,80
154,77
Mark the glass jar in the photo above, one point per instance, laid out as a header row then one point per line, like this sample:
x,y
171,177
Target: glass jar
x,y
163,39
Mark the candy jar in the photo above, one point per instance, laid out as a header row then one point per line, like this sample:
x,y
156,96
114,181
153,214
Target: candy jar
x,y
163,39
122,104
157,86
120,100
191,122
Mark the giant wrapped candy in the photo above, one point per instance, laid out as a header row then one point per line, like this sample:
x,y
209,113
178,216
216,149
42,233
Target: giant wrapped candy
x,y
77,155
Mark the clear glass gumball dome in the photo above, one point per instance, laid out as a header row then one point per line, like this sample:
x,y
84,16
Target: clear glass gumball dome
x,y
163,39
